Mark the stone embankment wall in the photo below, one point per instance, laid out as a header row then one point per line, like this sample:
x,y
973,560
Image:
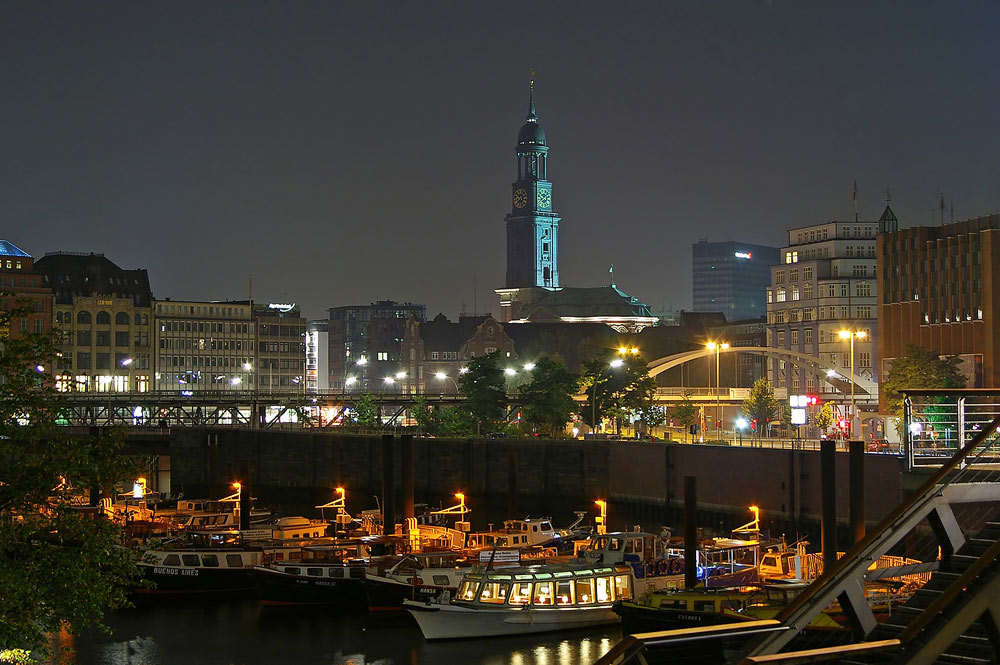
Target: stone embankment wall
x,y
785,484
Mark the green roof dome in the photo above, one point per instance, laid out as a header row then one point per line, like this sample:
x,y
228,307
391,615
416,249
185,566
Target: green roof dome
x,y
531,133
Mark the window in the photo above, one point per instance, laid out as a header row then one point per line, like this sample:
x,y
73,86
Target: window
x,y
793,275
780,295
807,291
121,338
769,296
865,359
807,273
383,355
807,336
103,338
83,317
844,290
860,271
38,326
103,318
791,257
121,319
434,355
864,289
103,361
779,276
494,592
781,338
864,312
83,338
795,291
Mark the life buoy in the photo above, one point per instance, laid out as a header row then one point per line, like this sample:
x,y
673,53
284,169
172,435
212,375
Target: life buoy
x,y
663,566
675,566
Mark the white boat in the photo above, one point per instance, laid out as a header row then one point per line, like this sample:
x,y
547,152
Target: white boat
x,y
523,600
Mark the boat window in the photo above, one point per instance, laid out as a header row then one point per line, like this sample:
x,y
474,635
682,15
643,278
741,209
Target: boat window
x,y
172,560
673,603
732,605
441,580
564,592
314,572
585,591
605,590
704,606
534,527
336,572
190,559
547,526
234,561
467,589
520,593
621,587
494,592
543,594
293,571
356,573
210,560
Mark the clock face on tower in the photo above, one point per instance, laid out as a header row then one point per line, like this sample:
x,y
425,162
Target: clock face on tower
x,y
520,198
544,199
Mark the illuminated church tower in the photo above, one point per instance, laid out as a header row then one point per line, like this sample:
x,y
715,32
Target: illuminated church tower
x,y
532,225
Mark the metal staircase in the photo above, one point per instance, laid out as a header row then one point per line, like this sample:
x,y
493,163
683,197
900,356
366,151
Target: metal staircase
x,y
954,618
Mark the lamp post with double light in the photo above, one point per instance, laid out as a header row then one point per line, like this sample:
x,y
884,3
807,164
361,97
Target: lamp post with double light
x,y
851,334
441,376
717,347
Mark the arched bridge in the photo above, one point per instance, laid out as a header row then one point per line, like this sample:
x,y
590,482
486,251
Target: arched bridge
x,y
811,364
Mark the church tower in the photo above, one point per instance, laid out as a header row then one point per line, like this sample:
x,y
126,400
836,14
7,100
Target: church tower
x,y
532,225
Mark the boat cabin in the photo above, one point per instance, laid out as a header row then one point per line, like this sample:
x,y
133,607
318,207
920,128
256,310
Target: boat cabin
x,y
548,586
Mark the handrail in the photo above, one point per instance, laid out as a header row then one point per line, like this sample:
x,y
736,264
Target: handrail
x,y
819,655
950,593
631,643
919,496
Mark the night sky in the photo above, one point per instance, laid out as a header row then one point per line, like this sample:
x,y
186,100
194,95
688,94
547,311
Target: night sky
x,y
341,152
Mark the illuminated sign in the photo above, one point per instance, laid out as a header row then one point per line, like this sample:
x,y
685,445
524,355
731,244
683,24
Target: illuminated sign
x,y
744,255
281,306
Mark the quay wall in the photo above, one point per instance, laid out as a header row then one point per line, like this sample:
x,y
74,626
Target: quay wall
x,y
785,484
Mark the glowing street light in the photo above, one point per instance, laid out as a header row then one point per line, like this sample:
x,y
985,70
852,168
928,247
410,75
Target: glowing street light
x,y
441,376
717,348
851,334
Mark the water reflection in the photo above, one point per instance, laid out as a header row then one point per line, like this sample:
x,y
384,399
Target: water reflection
x,y
248,634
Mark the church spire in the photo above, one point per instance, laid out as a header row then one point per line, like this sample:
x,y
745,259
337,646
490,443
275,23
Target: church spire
x,y
531,117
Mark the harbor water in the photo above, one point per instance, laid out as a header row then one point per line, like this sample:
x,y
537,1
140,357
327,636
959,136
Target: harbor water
x,y
247,633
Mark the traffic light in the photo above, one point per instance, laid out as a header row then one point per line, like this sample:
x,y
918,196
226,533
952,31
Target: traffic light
x,y
842,423
812,400
753,424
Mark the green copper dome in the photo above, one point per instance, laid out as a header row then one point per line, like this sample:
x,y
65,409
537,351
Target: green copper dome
x,y
531,133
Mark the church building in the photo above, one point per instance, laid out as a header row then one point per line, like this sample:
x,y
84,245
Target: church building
x,y
532,293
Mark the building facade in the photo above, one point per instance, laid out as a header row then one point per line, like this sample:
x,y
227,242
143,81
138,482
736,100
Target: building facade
x,y
318,356
939,288
731,277
19,278
825,284
365,343
205,346
281,348
105,314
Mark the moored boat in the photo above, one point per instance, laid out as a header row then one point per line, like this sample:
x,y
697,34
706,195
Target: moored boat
x,y
524,600
331,575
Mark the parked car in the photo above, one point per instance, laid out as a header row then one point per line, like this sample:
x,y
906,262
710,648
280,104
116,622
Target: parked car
x,y
881,446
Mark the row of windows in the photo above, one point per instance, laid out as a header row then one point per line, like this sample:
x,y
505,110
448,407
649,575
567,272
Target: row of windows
x,y
828,312
102,360
780,294
203,361
282,347
793,256
205,327
444,355
205,310
103,338
201,344
103,318
24,281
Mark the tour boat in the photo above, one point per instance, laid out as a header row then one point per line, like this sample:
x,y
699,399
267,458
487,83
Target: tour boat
x,y
523,600
419,576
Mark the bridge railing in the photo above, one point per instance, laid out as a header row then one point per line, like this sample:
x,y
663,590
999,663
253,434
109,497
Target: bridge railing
x,y
937,423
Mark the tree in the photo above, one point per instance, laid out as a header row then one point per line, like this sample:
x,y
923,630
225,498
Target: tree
x,y
59,564
485,390
919,368
548,398
686,412
621,389
824,418
367,413
761,404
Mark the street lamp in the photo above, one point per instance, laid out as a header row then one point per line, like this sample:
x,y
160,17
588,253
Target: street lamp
x,y
441,376
114,373
717,348
851,334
